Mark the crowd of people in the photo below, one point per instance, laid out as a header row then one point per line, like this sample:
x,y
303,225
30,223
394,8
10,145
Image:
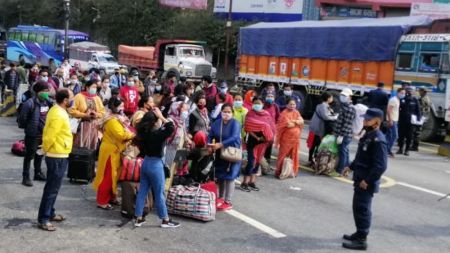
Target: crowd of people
x,y
64,108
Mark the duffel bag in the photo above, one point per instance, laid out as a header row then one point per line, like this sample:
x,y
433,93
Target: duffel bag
x,y
192,202
326,162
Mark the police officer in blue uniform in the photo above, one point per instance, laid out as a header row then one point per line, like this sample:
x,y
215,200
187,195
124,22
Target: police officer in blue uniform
x,y
369,164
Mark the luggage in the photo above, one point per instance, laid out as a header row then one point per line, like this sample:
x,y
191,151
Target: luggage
x,y
287,170
18,148
81,165
131,169
129,193
192,202
326,162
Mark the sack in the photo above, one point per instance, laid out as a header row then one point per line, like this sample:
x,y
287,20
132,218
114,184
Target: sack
x,y
287,171
326,162
265,166
18,148
416,122
129,193
74,124
192,202
131,169
231,154
329,143
81,164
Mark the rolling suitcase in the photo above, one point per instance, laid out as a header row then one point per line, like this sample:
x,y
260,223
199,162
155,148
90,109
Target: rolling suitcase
x,y
81,165
129,193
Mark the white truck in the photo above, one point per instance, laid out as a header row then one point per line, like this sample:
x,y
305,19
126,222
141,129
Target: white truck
x,y
90,55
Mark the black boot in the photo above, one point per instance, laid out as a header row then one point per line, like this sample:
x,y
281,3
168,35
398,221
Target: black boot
x,y
39,176
406,153
358,243
414,148
400,151
350,237
27,182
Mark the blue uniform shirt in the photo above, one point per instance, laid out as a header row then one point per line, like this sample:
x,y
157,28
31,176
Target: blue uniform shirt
x,y
371,160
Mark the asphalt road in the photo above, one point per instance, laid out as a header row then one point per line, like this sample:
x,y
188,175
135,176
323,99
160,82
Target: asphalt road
x,y
306,214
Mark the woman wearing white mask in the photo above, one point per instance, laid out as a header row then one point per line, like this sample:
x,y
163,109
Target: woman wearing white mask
x,y
225,132
88,107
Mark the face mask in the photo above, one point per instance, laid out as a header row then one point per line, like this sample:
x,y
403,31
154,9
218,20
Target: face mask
x,y
370,128
92,91
287,93
226,116
269,100
158,87
43,96
44,78
74,82
130,84
223,90
401,96
257,107
116,73
343,99
184,115
201,106
238,104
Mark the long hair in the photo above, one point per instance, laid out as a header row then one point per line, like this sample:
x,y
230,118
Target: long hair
x,y
144,127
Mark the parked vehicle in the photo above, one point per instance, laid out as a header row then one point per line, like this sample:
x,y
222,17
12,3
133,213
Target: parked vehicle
x,y
39,44
356,54
91,55
2,42
177,57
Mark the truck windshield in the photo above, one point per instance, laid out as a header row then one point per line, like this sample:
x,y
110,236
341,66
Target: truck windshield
x,y
191,52
106,58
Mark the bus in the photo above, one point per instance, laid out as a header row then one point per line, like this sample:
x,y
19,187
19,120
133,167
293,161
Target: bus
x,y
39,44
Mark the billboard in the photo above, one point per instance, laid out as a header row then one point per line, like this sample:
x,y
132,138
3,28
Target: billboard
x,y
188,4
261,10
433,10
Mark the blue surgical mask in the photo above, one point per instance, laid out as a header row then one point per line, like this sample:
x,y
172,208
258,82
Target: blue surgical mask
x,y
184,115
238,104
288,93
92,91
158,87
257,107
401,96
343,99
223,90
44,78
269,100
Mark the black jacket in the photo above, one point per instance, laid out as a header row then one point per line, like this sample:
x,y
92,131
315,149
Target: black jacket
x,y
12,82
30,116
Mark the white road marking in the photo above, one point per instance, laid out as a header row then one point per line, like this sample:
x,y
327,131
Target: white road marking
x,y
295,188
272,232
422,189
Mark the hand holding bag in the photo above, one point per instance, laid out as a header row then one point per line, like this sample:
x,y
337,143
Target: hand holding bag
x,y
229,154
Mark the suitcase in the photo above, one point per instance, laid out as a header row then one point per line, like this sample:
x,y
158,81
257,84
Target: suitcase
x,y
129,193
81,165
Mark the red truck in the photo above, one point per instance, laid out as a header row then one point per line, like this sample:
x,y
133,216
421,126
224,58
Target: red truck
x,y
182,58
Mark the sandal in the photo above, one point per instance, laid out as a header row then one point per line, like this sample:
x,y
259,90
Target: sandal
x,y
58,218
47,227
106,207
115,202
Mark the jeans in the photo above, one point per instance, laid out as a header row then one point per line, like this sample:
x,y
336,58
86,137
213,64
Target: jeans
x,y
56,168
391,136
344,158
152,177
31,146
362,211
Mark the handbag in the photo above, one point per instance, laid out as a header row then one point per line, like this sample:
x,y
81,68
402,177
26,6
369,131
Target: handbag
x,y
229,154
192,202
131,169
287,170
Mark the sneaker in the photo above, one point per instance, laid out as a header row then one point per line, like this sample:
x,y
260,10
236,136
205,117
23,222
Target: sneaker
x,y
169,224
252,186
27,182
40,177
139,222
226,206
244,187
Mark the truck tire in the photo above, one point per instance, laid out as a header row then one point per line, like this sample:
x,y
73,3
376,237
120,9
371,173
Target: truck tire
x,y
429,129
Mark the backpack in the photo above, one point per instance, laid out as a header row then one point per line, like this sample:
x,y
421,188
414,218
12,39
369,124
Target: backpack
x,y
326,162
20,124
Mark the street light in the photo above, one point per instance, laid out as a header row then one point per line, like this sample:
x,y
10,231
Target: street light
x,y
66,28
228,34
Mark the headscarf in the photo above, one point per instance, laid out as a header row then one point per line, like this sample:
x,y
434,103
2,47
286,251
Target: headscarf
x,y
260,122
175,116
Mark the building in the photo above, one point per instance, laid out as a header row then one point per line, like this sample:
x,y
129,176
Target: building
x,y
343,9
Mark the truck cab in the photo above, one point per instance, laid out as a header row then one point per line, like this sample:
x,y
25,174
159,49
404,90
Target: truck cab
x,y
187,60
89,55
104,62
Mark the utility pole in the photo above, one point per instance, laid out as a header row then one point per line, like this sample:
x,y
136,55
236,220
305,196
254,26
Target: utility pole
x,y
228,35
66,28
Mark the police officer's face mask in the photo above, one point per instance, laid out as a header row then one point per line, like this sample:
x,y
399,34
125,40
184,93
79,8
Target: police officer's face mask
x,y
370,128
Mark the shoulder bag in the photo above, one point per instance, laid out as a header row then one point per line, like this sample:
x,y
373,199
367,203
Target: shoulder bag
x,y
229,154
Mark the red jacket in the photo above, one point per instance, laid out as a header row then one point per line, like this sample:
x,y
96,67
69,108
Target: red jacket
x,y
130,97
228,100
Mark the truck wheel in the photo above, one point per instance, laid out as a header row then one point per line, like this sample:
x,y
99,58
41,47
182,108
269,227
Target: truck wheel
x,y
429,129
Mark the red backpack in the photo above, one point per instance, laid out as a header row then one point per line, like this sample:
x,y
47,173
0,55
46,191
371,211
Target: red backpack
x,y
18,148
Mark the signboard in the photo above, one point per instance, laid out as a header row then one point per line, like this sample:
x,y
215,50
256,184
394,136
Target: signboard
x,y
347,12
426,38
261,10
188,4
433,10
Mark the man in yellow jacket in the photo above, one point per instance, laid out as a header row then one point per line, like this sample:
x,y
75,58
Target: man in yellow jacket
x,y
57,144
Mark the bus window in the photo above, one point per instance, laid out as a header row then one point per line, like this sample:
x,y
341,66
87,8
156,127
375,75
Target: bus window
x,y
404,61
32,37
445,64
429,62
40,38
24,36
46,40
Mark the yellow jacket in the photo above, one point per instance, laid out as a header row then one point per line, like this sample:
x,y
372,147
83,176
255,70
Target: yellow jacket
x,y
57,137
79,108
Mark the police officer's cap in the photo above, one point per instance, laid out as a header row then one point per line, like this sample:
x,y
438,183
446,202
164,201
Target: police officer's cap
x,y
373,113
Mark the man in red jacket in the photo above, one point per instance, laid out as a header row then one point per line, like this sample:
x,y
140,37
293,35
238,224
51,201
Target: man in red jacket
x,y
223,89
130,96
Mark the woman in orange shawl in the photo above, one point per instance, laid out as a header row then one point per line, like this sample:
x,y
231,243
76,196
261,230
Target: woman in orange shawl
x,y
289,130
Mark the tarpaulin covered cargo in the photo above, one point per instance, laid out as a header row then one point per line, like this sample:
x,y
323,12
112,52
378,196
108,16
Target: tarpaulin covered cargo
x,y
356,39
88,46
141,52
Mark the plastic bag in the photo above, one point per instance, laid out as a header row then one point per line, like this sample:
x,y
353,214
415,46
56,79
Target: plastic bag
x,y
329,143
